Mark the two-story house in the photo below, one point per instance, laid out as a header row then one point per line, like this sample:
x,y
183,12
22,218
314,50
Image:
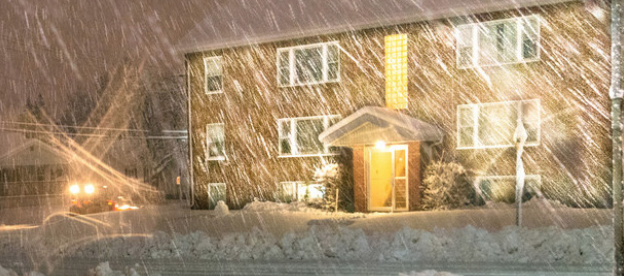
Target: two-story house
x,y
278,88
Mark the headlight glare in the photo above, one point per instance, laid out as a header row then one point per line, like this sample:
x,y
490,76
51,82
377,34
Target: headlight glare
x,y
74,189
89,189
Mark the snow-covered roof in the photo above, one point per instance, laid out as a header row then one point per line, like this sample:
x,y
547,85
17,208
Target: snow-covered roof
x,y
235,23
372,123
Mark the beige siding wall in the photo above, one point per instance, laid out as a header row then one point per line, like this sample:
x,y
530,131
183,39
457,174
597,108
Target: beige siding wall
x,y
571,81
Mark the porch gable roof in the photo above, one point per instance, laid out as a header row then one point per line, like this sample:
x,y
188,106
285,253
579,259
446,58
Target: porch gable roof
x,y
372,123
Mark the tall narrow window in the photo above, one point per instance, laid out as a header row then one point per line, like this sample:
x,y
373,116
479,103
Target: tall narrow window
x,y
308,64
498,42
213,75
215,142
396,71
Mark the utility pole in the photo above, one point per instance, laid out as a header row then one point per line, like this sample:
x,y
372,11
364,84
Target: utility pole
x,y
616,93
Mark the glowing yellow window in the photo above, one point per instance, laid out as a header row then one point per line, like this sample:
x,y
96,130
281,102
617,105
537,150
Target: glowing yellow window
x,y
396,71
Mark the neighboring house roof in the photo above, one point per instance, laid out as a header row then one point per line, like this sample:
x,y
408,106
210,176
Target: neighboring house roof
x,y
235,23
33,152
372,123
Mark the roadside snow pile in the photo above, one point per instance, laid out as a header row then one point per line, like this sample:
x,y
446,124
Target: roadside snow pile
x,y
222,209
468,244
104,269
7,272
268,206
428,273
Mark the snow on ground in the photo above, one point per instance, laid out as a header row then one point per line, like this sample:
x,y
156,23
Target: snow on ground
x,y
274,231
428,273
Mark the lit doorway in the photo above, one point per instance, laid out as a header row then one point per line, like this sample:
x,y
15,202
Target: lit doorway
x,y
387,189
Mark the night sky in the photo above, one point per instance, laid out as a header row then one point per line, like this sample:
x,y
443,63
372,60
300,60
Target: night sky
x,y
55,47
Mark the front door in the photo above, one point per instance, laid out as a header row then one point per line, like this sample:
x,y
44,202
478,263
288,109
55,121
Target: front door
x,y
387,189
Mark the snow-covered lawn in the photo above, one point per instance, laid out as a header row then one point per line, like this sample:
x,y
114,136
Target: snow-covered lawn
x,y
271,231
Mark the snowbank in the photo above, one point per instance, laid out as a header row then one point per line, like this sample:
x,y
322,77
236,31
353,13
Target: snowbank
x,y
428,273
104,269
222,209
268,206
468,244
7,272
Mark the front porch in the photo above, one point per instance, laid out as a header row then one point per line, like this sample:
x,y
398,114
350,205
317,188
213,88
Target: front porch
x,y
387,159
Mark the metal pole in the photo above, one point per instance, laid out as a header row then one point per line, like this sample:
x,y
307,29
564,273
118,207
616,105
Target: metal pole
x,y
616,109
615,93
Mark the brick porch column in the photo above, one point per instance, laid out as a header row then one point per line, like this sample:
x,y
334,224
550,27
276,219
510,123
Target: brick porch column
x,y
359,179
414,175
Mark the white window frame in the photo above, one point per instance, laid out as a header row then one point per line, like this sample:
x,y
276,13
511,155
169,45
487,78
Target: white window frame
x,y
293,80
292,135
476,32
209,141
218,60
476,108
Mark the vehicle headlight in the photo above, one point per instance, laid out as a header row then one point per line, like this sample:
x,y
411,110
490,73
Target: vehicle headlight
x,y
74,189
89,189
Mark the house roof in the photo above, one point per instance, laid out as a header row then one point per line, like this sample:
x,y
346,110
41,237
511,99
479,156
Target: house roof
x,y
235,23
33,152
372,123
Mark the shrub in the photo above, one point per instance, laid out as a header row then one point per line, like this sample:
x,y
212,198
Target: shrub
x,y
446,186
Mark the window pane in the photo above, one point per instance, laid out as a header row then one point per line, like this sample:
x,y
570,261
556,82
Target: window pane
x,y
399,163
529,37
466,137
333,53
498,43
285,128
465,56
212,66
497,124
307,136
333,70
466,116
309,65
284,57
216,193
284,76
215,141
213,84
285,146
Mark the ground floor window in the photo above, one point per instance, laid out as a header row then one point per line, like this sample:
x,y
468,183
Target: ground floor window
x,y
502,188
289,191
492,125
299,136
216,192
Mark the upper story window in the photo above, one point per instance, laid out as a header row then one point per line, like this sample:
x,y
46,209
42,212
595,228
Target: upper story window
x,y
215,141
299,136
492,125
213,75
308,64
498,42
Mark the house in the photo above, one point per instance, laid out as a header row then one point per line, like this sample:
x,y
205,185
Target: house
x,y
279,88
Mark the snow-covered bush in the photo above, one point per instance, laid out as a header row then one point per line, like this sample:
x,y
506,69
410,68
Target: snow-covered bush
x,y
447,186
333,177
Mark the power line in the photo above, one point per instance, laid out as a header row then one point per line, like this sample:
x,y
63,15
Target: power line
x,y
70,126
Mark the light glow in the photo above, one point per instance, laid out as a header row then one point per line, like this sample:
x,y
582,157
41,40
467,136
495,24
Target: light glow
x,y
89,189
74,189
380,145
